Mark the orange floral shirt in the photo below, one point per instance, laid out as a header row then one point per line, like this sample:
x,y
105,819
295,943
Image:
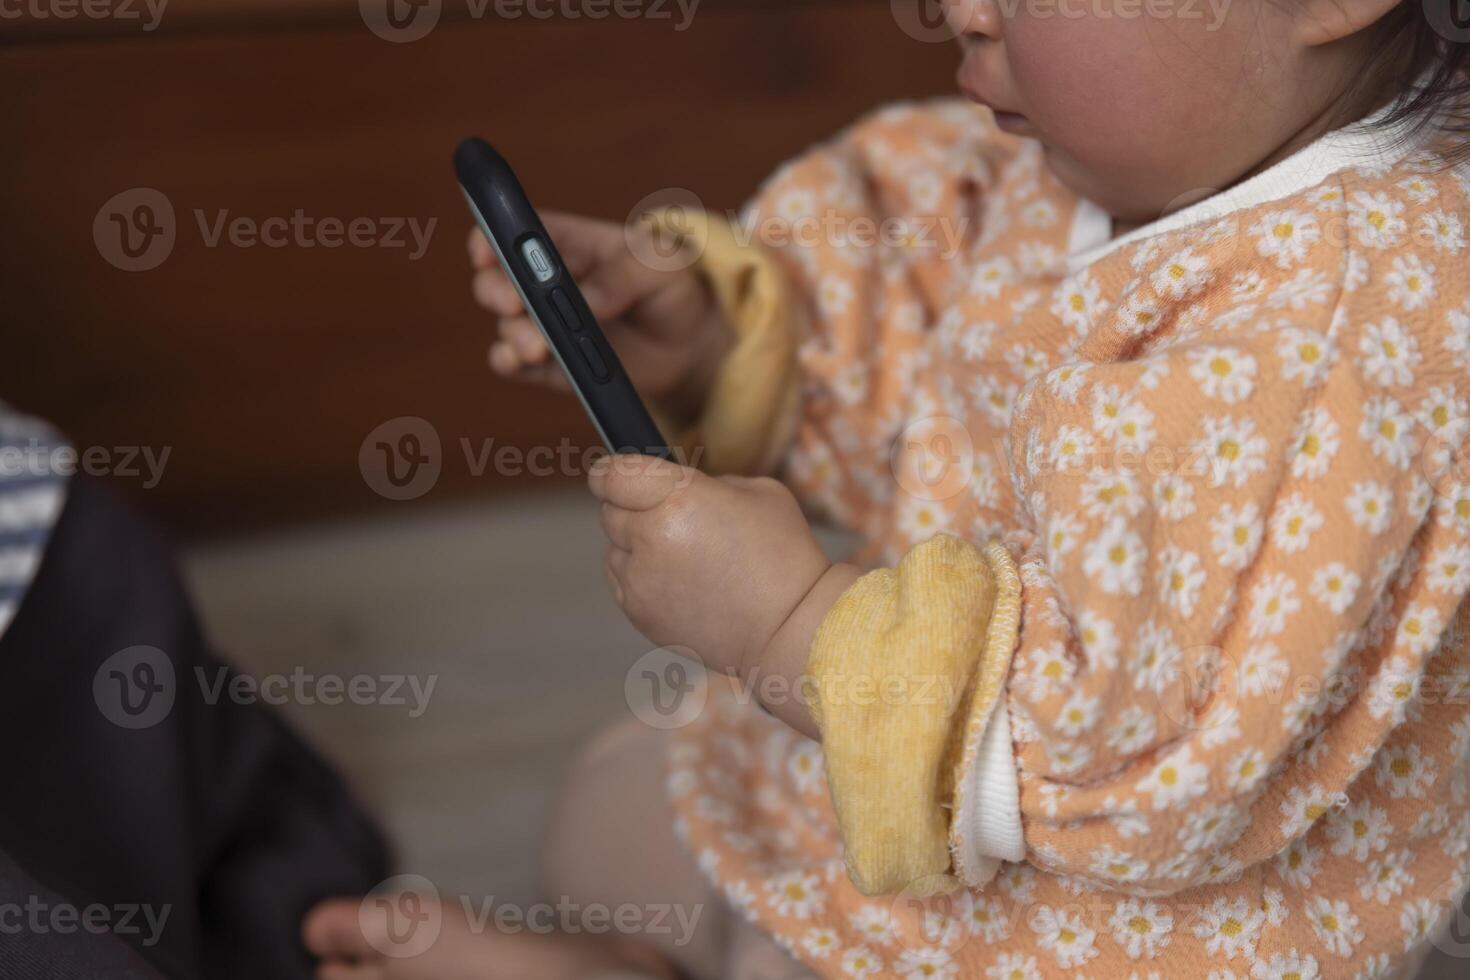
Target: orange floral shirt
x,y
1225,458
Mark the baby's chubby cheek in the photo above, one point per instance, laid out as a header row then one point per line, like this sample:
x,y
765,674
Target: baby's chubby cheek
x,y
1136,109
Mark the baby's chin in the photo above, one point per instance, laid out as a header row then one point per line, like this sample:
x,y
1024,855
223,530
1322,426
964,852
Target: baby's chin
x,y
1132,196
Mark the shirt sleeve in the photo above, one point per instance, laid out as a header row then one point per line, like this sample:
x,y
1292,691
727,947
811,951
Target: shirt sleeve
x,y
1244,547
856,241
1222,631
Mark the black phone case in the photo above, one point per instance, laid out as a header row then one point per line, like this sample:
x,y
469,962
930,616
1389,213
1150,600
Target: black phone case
x,y
508,220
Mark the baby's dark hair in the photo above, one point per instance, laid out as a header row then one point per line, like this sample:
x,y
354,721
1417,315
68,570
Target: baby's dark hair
x,y
1421,53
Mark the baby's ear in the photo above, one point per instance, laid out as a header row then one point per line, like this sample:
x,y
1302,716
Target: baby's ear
x,y
1321,22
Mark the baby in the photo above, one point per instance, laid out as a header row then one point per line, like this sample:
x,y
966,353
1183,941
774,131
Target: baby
x,y
1150,412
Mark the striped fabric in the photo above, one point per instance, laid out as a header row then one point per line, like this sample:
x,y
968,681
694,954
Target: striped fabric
x,y
34,464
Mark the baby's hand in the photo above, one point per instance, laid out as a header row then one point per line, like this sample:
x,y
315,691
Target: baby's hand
x,y
715,564
665,325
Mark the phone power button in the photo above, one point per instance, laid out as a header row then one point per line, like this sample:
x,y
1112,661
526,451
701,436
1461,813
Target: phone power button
x,y
538,259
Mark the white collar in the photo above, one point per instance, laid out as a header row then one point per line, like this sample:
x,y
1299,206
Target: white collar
x,y
1363,143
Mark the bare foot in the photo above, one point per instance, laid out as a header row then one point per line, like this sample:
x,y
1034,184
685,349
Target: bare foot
x,y
405,938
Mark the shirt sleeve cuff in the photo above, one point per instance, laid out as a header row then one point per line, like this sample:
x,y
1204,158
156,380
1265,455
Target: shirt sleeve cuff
x,y
750,415
986,822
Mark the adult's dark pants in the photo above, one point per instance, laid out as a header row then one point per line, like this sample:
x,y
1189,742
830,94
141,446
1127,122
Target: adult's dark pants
x,y
214,812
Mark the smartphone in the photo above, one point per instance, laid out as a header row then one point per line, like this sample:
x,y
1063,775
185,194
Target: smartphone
x,y
554,302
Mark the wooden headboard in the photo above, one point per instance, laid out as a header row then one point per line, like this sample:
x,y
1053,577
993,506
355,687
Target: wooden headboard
x,y
261,369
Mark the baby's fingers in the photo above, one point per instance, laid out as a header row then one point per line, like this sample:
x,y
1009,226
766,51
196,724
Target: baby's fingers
x,y
495,292
482,256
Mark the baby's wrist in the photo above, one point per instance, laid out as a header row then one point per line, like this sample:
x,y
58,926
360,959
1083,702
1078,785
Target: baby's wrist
x,y
777,675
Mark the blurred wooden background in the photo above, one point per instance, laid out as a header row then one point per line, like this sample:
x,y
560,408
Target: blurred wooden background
x,y
263,369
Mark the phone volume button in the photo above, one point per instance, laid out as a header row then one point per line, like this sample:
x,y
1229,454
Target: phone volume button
x,y
595,362
565,311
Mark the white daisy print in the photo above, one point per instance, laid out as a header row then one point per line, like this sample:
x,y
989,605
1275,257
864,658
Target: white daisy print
x,y
1183,274
1235,534
835,295
1141,927
1064,935
926,964
1229,928
1443,230
1263,671
1099,640
1376,220
1386,878
1175,780
1315,444
1410,282
1335,586
1013,966
1115,558
1295,521
1232,451
1358,829
1173,497
1077,302
1299,864
860,961
1335,924
1223,372
1449,568
1457,340
1419,629
1404,771
1390,353
1272,601
1285,236
795,894
1305,354
820,942
1112,492
1286,966
988,920
1418,920
1078,715
1370,505
1180,577
1246,771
